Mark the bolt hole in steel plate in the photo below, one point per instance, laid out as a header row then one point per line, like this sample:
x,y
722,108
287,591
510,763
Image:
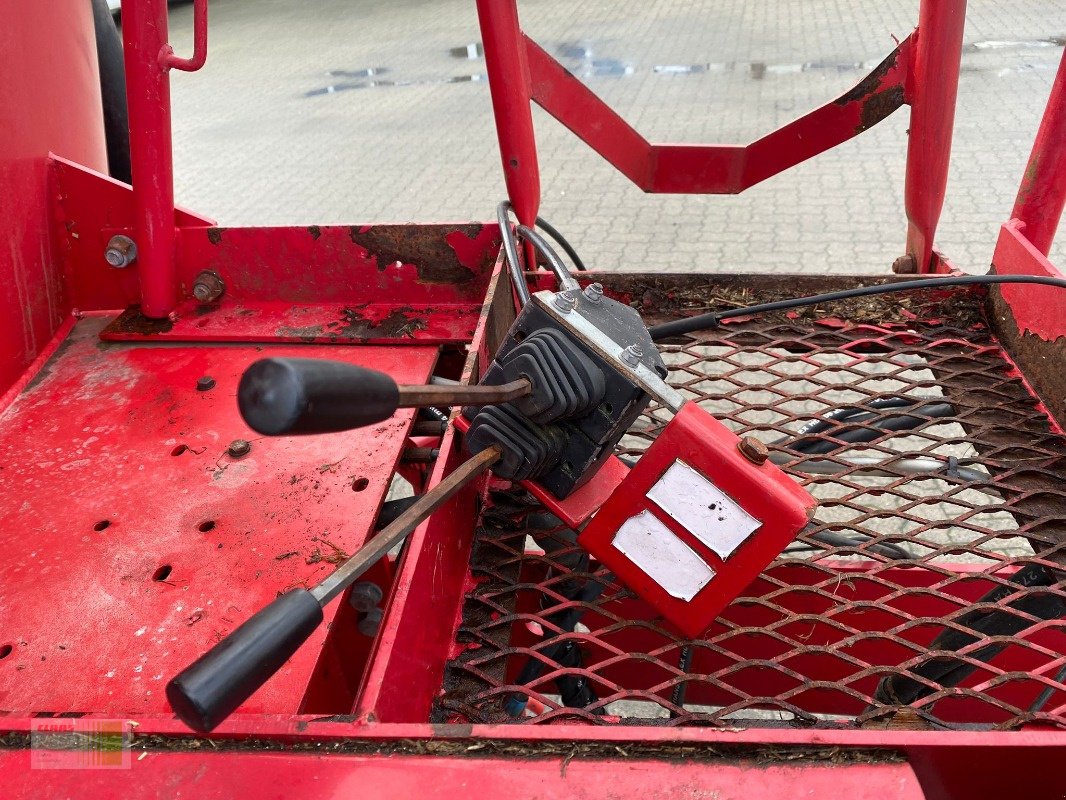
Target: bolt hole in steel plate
x,y
162,573
181,448
5,650
108,419
206,525
102,525
359,484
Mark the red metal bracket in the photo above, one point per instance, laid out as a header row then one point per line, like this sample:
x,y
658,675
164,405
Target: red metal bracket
x,y
199,52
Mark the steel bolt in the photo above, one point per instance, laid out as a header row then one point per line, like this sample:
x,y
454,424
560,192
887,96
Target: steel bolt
x,y
205,384
632,355
369,624
365,596
208,287
594,292
121,251
905,265
239,448
566,301
754,450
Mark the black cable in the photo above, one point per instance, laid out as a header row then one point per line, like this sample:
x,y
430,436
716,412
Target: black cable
x,y
886,549
510,248
550,229
1044,696
863,428
945,670
847,413
701,322
566,280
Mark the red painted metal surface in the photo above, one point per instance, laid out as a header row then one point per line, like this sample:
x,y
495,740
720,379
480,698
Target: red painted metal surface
x,y
1042,193
208,776
144,33
695,441
1037,309
713,169
56,110
931,91
163,542
520,71
88,208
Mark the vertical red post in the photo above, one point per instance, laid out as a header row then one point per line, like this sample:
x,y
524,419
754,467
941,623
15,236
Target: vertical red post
x,y
931,91
1042,193
144,31
508,71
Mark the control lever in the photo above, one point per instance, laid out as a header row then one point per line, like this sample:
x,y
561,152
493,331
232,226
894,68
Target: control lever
x,y
208,691
281,396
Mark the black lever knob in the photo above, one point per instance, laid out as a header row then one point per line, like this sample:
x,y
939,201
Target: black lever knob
x,y
279,396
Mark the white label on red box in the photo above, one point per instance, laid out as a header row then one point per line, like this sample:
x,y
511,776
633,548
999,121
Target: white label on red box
x,y
703,509
648,543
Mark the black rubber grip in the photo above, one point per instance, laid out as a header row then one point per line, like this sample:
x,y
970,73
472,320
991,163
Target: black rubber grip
x,y
280,396
208,691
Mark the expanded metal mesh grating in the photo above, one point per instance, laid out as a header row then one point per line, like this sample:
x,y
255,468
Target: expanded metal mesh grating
x,y
966,631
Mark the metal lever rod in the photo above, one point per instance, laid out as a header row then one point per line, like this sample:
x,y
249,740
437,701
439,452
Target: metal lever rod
x,y
418,396
350,570
212,687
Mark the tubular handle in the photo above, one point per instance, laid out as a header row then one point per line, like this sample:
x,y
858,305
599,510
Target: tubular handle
x,y
278,396
208,691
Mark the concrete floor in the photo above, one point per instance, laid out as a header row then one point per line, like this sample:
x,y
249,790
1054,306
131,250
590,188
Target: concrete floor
x,y
285,125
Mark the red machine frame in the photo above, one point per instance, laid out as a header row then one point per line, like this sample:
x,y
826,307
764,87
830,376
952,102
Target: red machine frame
x,y
418,287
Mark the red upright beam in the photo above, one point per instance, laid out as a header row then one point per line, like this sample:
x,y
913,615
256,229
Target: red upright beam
x,y
1042,193
508,72
144,29
149,58
931,91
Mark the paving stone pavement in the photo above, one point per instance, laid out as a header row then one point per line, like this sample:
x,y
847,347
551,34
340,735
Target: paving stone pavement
x,y
329,111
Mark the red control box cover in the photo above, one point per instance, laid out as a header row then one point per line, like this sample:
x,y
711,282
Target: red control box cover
x,y
695,521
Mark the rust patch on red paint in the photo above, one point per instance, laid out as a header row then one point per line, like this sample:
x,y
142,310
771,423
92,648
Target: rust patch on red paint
x,y
214,235
354,323
879,106
132,322
426,251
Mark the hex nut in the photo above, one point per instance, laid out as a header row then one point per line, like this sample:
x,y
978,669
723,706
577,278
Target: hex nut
x,y
754,450
905,265
594,292
365,596
208,287
121,251
368,625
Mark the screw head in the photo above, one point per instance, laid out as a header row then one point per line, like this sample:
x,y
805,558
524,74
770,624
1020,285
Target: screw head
x,y
239,448
594,292
121,251
754,450
208,287
632,355
905,265
205,383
